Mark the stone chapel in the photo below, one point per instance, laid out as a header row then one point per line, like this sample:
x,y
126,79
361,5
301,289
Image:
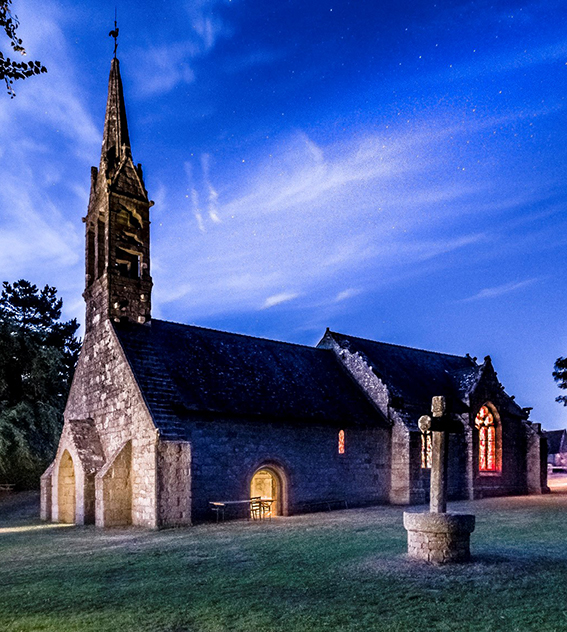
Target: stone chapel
x,y
164,418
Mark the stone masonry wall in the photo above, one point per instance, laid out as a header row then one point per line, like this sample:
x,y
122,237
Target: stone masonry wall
x,y
409,482
419,478
227,453
104,390
457,466
439,537
66,489
114,490
174,483
401,491
468,436
534,469
46,494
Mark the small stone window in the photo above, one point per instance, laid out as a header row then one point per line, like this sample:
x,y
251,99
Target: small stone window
x,y
341,442
128,263
426,450
487,441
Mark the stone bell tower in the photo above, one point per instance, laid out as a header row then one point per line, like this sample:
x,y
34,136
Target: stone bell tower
x,y
118,283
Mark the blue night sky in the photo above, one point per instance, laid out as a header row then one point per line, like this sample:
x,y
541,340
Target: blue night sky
x,y
391,170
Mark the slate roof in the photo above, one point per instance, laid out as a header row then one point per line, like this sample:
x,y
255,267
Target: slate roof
x,y
186,371
416,375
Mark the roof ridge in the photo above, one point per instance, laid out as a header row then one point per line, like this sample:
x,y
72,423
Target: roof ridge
x,y
392,344
232,333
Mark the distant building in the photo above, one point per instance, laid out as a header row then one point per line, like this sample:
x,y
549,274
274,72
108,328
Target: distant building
x,y
556,448
164,418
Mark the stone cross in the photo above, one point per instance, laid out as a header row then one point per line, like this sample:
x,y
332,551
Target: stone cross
x,y
438,424
438,536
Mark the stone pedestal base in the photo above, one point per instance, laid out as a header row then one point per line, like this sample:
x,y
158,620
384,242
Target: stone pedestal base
x,y
441,537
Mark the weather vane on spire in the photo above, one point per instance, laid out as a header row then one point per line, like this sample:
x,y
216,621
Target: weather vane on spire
x,y
114,34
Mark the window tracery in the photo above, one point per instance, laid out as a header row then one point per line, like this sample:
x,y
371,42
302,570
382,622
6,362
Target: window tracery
x,y
486,427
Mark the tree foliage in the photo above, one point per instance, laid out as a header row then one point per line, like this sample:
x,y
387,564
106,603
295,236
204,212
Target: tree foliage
x,y
38,354
11,70
560,376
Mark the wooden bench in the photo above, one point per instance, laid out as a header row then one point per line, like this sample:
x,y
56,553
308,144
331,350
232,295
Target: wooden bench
x,y
7,487
257,508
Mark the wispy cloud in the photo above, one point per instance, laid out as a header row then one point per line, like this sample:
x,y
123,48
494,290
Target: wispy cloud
x,y
55,100
346,294
499,290
170,294
257,58
278,299
205,191
44,129
212,194
313,216
160,69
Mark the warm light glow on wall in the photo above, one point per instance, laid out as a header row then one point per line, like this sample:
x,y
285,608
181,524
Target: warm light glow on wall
x,y
341,441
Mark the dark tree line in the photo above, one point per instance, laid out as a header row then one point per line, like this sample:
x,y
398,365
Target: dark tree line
x,y
38,353
11,70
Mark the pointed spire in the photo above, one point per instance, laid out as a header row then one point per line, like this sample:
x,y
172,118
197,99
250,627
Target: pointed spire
x,y
116,141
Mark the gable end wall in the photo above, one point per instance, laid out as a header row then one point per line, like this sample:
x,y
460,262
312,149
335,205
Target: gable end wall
x,y
104,389
513,477
400,452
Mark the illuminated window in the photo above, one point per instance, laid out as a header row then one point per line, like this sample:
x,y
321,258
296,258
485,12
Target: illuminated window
x,y
486,440
341,441
426,450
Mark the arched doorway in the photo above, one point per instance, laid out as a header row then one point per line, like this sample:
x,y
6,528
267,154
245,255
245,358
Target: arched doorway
x,y
66,489
267,485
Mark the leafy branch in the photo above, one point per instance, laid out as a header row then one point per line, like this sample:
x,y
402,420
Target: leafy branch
x,y
11,70
560,376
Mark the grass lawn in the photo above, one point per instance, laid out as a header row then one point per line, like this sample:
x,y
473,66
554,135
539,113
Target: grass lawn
x,y
338,571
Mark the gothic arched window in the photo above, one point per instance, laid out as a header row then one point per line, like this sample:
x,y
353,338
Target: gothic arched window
x,y
426,451
487,448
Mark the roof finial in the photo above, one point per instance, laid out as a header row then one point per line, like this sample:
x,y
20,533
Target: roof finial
x,y
114,34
